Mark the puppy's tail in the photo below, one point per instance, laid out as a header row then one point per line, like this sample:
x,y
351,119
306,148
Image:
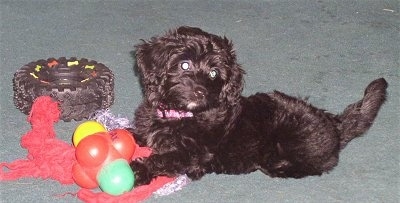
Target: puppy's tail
x,y
357,118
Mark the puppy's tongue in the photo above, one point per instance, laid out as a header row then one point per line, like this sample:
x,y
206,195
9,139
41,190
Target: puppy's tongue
x,y
175,114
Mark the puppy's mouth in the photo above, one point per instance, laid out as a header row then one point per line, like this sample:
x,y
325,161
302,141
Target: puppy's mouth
x,y
182,101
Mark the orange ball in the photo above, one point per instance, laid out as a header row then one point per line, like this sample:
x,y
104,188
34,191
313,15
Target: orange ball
x,y
123,142
92,150
84,178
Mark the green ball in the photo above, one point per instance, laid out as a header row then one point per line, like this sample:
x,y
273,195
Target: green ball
x,y
116,177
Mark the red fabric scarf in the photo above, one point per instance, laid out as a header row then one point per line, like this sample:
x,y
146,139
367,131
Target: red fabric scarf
x,y
51,158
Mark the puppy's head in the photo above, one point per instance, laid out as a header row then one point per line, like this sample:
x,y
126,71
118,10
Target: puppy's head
x,y
189,69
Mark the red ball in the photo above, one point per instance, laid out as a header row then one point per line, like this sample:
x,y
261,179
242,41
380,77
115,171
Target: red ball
x,y
83,178
123,142
92,150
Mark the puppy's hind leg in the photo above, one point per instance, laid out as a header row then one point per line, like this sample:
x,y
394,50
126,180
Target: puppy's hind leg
x,y
305,140
282,167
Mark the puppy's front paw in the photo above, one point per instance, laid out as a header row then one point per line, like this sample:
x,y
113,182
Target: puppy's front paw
x,y
142,173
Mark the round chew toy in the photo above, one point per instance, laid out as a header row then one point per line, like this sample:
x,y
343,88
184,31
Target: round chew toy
x,y
102,158
80,86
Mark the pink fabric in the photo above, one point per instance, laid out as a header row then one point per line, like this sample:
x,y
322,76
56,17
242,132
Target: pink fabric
x,y
47,156
174,114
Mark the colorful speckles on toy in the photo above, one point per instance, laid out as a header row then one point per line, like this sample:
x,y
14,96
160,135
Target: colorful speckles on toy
x,y
89,67
72,63
37,68
34,75
52,63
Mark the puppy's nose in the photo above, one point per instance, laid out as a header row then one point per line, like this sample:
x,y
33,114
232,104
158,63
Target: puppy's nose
x,y
199,92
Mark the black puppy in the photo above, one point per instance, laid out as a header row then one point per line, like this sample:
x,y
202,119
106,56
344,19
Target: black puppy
x,y
196,121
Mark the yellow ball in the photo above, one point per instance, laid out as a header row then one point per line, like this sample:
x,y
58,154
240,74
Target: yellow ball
x,y
85,129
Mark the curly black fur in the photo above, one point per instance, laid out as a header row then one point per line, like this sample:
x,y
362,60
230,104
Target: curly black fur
x,y
189,70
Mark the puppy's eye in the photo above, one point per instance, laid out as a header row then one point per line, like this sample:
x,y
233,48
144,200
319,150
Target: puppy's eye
x,y
213,74
185,65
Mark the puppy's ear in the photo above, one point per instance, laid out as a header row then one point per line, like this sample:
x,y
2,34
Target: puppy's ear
x,y
231,93
233,88
151,72
145,58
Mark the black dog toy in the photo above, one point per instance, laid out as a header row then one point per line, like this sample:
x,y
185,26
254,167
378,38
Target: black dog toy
x,y
80,86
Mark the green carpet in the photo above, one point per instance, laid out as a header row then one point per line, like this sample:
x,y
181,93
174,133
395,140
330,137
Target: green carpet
x,y
328,50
